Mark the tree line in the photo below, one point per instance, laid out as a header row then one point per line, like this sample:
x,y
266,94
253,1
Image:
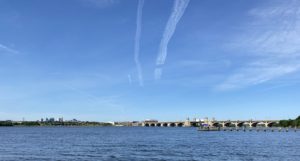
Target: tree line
x,y
290,122
56,123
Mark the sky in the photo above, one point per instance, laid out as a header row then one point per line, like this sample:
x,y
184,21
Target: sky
x,y
124,60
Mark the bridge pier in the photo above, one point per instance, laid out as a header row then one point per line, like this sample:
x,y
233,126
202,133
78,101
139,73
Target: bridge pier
x,y
225,124
252,124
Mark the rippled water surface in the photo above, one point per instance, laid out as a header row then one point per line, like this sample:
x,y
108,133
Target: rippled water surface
x,y
144,143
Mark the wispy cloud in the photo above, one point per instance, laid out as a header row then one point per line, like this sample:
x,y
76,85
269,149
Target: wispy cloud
x,y
273,43
99,101
157,73
101,3
129,79
177,12
259,72
6,50
194,63
137,41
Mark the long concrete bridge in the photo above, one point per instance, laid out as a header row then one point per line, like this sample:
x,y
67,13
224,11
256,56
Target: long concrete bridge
x,y
243,123
215,123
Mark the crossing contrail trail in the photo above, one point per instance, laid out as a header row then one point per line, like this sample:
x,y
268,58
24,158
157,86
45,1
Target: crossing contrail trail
x,y
177,12
137,41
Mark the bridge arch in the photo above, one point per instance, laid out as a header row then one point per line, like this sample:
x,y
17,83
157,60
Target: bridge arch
x,y
193,124
165,124
158,124
172,124
147,125
152,124
226,124
180,124
216,124
240,124
270,124
253,124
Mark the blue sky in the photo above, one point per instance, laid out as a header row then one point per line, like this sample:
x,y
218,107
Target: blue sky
x,y
109,60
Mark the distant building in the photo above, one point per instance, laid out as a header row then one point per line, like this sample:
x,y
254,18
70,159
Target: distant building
x,y
52,119
74,120
111,122
61,119
151,120
135,123
124,123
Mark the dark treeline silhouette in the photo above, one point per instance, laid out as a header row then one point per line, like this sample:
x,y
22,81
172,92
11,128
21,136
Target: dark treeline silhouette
x,y
290,122
54,123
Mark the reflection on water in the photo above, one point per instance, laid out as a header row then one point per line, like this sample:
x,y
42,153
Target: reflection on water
x,y
142,143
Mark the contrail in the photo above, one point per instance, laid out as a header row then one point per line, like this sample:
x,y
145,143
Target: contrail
x,y
137,41
177,12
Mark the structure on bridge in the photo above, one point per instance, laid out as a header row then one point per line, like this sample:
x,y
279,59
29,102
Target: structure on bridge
x,y
212,122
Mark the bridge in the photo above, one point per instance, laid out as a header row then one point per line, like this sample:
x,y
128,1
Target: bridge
x,y
214,123
242,123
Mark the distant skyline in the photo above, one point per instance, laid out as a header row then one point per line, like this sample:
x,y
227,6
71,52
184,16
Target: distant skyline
x,y
121,60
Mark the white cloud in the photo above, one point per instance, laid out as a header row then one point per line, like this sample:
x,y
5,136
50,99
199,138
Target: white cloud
x,y
272,41
157,73
129,79
101,3
194,63
6,50
98,101
258,72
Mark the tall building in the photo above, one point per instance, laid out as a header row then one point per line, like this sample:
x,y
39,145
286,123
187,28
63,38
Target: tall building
x,y
52,119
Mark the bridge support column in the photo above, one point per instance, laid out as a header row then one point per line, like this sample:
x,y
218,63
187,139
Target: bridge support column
x,y
250,124
223,124
235,124
266,124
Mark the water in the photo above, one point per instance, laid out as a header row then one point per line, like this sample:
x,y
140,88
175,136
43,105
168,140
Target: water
x,y
144,143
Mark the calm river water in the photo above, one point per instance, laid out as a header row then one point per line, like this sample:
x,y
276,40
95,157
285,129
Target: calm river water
x,y
144,143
